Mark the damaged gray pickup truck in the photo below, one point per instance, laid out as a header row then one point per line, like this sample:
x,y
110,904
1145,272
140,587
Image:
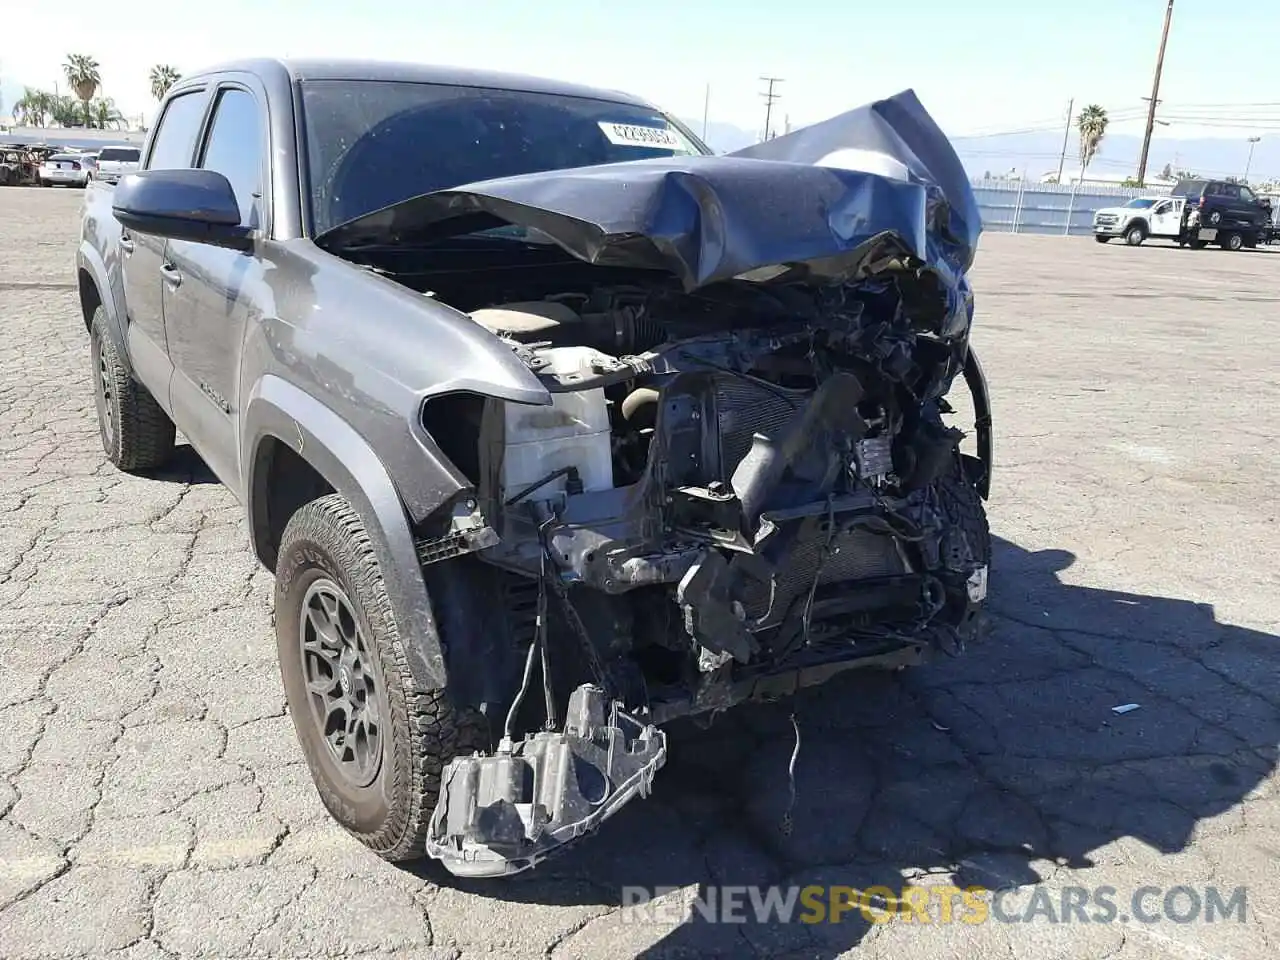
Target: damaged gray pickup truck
x,y
553,425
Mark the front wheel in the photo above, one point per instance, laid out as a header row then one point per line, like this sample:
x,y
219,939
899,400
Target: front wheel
x,y
1100,239
1232,241
1135,235
375,742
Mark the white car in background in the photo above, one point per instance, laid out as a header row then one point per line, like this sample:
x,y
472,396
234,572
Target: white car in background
x,y
116,162
68,169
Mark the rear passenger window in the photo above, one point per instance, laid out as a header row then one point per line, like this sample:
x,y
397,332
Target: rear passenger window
x,y
174,142
234,149
1230,191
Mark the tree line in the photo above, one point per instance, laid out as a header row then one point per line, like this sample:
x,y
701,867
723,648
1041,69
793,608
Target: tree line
x,y
40,108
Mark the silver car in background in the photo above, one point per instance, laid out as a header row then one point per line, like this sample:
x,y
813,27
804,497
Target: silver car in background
x,y
68,169
116,162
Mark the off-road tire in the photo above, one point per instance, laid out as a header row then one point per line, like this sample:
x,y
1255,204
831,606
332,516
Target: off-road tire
x,y
1135,235
965,510
419,730
1100,239
136,432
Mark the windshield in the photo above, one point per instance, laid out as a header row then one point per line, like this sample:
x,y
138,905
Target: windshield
x,y
1141,202
374,143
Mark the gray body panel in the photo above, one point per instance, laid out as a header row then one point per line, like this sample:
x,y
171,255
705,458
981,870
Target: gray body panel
x,y
288,343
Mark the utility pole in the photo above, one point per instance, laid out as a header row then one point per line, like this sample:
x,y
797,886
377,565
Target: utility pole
x,y
706,108
1155,98
1249,162
1071,105
769,98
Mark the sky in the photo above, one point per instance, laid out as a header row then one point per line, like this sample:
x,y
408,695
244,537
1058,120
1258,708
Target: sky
x,y
979,66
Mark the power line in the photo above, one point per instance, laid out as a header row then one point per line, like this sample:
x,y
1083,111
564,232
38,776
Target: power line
x,y
1154,98
1066,134
769,98
1045,126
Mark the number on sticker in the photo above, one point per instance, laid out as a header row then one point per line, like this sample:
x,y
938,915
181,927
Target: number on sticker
x,y
635,135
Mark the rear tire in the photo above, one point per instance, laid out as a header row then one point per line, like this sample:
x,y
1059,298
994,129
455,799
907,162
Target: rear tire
x,y
136,432
376,743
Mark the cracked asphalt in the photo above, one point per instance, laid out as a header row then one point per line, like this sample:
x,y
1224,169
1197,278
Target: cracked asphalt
x,y
153,801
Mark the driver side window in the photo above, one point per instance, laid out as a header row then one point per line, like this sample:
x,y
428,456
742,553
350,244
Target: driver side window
x,y
1162,207
175,138
234,149
1247,194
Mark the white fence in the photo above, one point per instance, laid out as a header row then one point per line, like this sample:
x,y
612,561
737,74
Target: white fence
x,y
1016,206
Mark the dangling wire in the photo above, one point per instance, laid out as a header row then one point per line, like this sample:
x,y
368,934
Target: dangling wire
x,y
787,824
548,695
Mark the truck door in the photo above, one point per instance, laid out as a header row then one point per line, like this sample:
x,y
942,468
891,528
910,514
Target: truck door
x,y
212,293
1165,218
1234,212
1250,208
172,147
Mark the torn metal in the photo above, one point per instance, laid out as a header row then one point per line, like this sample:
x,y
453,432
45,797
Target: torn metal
x,y
744,478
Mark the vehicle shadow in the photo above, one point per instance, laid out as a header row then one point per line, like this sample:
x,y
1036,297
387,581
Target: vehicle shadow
x,y
185,466
989,768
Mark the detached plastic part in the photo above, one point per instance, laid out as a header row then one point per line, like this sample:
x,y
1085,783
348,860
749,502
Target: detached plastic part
x,y
503,814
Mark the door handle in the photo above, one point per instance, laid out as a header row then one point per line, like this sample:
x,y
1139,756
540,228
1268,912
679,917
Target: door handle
x,y
126,243
171,274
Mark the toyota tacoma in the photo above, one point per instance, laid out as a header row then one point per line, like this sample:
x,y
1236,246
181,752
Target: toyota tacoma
x,y
552,425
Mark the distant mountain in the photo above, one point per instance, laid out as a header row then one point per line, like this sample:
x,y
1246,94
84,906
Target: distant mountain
x,y
1036,154
722,137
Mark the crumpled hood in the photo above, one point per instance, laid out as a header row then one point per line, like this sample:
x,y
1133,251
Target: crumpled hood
x,y
786,206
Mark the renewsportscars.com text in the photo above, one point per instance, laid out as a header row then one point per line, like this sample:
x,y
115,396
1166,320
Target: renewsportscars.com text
x,y
937,903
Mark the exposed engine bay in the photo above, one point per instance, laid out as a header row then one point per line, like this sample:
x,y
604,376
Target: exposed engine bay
x,y
746,481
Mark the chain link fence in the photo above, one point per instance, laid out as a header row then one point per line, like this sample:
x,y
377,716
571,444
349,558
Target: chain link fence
x,y
1017,206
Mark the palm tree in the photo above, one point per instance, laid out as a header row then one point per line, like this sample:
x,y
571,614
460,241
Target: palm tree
x,y
106,114
81,71
33,108
1092,123
66,111
163,76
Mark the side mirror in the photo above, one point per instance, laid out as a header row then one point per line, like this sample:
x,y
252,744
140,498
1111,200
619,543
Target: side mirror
x,y
197,205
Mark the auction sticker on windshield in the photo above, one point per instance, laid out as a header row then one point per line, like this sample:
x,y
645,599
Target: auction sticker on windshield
x,y
635,135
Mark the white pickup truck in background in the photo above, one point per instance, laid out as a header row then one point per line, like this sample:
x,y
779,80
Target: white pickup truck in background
x,y
115,162
1140,218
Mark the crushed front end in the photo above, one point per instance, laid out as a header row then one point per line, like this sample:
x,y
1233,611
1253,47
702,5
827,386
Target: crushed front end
x,y
746,480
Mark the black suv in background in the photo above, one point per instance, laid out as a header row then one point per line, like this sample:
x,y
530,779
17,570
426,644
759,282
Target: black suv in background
x,y
1239,217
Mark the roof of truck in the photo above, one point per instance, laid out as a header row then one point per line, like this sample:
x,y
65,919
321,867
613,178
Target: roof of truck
x,y
304,68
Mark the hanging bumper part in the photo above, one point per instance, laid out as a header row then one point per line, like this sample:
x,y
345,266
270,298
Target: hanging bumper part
x,y
501,814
